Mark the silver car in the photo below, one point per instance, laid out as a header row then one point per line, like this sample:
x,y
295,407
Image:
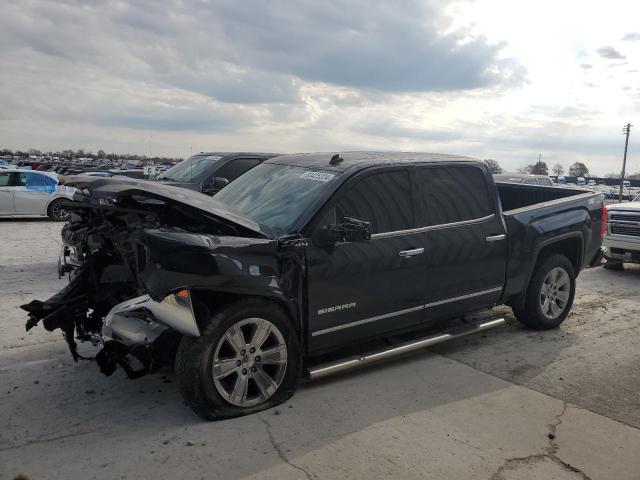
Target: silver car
x,y
29,193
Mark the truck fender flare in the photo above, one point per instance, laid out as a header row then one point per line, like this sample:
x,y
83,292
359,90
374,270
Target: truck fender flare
x,y
551,241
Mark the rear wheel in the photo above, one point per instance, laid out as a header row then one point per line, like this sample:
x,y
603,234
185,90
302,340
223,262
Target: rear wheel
x,y
246,360
57,212
549,295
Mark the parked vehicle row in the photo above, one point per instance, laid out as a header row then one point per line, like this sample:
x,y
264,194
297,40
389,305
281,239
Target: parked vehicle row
x,y
302,257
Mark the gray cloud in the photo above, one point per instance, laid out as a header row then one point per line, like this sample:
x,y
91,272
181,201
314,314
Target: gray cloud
x,y
252,51
389,47
390,129
610,53
631,37
586,66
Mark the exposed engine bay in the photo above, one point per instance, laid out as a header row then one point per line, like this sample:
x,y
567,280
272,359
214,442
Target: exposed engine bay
x,y
134,257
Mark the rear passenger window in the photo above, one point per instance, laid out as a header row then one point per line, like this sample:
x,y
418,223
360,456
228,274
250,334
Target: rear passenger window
x,y
454,194
383,199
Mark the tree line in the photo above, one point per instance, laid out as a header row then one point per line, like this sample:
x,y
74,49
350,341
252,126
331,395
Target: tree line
x,y
81,153
577,169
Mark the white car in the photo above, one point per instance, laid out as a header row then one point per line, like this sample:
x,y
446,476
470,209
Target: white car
x,y
31,193
621,234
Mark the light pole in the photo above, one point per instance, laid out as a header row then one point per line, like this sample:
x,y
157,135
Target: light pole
x,y
625,130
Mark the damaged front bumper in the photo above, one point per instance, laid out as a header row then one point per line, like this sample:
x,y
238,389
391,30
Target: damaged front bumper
x,y
140,334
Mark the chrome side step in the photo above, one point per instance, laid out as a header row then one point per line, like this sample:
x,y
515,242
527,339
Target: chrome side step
x,y
331,368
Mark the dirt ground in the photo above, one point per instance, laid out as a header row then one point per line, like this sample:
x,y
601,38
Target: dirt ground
x,y
506,404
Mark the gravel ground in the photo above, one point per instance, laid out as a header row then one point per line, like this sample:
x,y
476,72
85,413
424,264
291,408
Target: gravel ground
x,y
506,404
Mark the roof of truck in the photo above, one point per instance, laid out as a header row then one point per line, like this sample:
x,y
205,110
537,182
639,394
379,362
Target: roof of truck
x,y
361,159
238,154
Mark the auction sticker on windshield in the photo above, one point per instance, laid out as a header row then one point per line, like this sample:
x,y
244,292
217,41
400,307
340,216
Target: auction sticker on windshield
x,y
317,176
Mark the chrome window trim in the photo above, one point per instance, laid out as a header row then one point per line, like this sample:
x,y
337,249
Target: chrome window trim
x,y
407,310
433,227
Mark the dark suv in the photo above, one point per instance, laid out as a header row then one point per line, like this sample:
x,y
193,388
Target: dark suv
x,y
208,172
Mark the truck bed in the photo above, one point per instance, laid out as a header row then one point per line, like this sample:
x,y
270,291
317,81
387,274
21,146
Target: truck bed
x,y
535,216
514,196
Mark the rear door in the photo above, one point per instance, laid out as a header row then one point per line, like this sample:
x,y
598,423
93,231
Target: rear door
x,y
466,247
359,290
6,194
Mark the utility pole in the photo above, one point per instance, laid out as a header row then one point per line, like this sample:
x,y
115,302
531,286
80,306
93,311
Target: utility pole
x,y
625,130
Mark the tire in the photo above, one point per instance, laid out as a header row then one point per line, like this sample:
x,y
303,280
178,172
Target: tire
x,y
56,212
616,265
222,397
537,314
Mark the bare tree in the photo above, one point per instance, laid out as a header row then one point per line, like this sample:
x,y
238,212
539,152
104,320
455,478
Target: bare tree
x,y
540,168
493,166
558,169
578,169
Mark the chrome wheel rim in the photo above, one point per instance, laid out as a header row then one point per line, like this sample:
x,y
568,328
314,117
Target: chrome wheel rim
x,y
554,294
249,362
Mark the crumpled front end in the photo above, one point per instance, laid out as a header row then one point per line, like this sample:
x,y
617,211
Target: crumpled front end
x,y
137,264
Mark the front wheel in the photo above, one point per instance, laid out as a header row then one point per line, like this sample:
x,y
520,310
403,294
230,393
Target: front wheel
x,y
549,295
247,360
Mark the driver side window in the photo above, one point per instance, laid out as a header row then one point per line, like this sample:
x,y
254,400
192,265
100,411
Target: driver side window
x,y
382,199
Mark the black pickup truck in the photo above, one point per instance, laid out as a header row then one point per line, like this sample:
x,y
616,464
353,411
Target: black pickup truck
x,y
306,255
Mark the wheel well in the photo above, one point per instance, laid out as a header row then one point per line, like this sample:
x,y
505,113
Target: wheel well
x,y
205,302
50,204
569,247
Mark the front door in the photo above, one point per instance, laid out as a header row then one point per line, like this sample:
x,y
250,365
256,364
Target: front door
x,y
6,194
359,290
465,238
32,193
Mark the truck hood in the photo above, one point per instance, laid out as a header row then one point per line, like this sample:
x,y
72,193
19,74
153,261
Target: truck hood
x,y
101,192
621,207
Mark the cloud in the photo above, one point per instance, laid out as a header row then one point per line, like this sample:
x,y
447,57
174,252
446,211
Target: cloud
x,y
586,66
631,37
361,44
396,130
610,53
253,51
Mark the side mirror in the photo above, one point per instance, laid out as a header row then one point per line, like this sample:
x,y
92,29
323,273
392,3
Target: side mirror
x,y
349,230
215,185
219,183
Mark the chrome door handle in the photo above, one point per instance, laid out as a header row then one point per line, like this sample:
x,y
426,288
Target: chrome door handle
x,y
496,238
411,253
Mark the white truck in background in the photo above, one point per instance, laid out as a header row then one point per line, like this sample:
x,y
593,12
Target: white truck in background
x,y
621,234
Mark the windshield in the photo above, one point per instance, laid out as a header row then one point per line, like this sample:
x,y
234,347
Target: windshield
x,y
190,169
275,195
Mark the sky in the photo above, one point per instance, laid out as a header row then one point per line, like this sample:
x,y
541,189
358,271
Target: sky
x,y
507,80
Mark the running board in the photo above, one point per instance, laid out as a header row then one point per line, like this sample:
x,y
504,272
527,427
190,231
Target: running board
x,y
331,368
